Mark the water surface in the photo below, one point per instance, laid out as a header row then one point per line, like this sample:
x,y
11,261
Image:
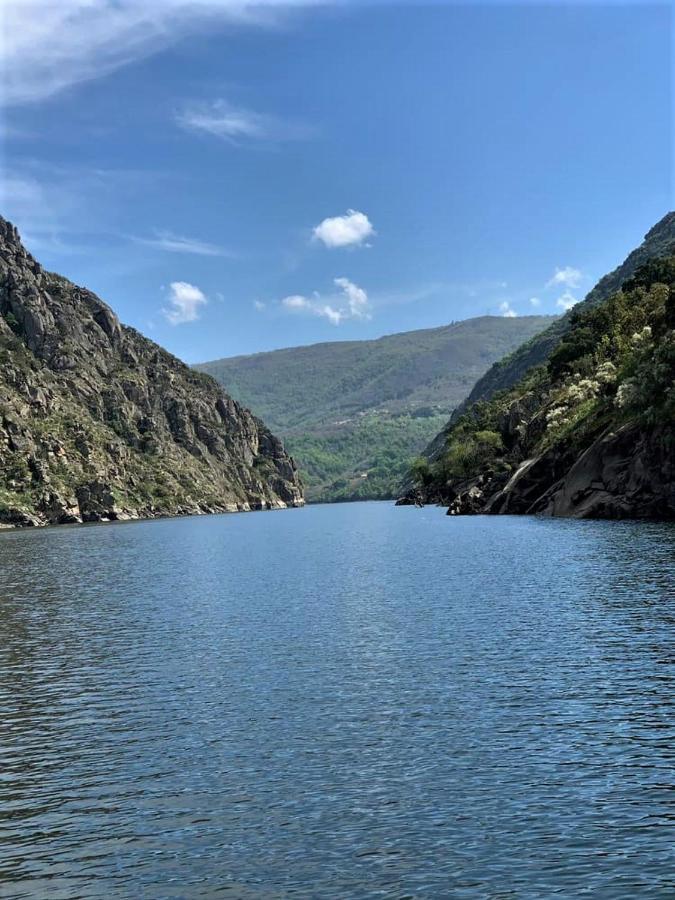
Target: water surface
x,y
338,702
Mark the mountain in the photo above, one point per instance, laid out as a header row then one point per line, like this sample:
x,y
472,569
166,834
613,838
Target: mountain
x,y
504,374
97,422
588,433
355,413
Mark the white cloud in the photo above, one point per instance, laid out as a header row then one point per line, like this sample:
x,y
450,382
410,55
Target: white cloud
x,y
506,310
357,299
334,316
566,301
535,301
48,46
259,305
296,301
349,230
184,303
174,243
350,303
567,276
234,124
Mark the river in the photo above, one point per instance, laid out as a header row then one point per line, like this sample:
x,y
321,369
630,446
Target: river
x,y
342,701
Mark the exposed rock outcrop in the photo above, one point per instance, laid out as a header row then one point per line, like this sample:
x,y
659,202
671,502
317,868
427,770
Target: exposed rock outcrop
x,y
99,423
625,473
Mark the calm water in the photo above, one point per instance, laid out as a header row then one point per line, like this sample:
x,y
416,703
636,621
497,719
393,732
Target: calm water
x,y
338,702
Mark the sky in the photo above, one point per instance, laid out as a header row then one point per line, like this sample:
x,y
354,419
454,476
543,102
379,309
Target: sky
x,y
234,178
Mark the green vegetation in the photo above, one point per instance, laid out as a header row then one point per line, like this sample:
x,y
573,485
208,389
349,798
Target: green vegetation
x,y
615,364
362,461
355,413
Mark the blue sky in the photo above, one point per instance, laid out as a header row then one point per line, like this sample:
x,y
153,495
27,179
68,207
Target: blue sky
x,y
233,179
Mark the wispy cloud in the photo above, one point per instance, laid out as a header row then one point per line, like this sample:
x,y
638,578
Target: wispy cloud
x,y
64,208
350,303
185,303
535,301
173,243
49,46
350,230
236,124
567,276
507,310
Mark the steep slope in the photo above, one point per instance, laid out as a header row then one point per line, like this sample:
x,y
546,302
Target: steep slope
x,y
589,434
504,374
97,422
354,413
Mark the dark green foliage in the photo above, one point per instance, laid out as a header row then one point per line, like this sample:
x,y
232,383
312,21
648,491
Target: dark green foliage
x,y
12,321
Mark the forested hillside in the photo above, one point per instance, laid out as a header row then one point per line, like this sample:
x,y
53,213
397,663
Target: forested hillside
x,y
355,413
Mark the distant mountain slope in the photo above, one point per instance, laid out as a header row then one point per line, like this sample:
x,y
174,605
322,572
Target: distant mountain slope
x,y
589,433
658,242
354,413
97,422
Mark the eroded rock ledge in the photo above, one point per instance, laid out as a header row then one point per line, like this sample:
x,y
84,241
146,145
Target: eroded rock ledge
x,y
624,473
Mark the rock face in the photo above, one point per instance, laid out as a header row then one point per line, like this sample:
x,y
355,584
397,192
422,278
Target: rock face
x,y
627,472
98,423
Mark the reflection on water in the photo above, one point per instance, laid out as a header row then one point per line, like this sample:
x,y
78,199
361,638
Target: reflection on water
x,y
346,701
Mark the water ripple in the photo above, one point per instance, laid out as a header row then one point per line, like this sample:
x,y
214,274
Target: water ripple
x,y
351,701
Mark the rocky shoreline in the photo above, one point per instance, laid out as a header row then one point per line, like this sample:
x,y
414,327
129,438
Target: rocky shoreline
x,y
72,517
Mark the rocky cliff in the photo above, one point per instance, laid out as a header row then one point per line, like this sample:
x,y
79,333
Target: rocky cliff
x,y
591,433
99,423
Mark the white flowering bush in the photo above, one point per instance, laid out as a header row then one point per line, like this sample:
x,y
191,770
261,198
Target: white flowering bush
x,y
584,389
606,373
556,416
627,394
643,337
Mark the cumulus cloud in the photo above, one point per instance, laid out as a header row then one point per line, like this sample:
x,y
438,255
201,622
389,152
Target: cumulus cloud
x,y
535,301
173,243
49,46
185,303
235,124
506,310
349,230
566,301
350,303
567,276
